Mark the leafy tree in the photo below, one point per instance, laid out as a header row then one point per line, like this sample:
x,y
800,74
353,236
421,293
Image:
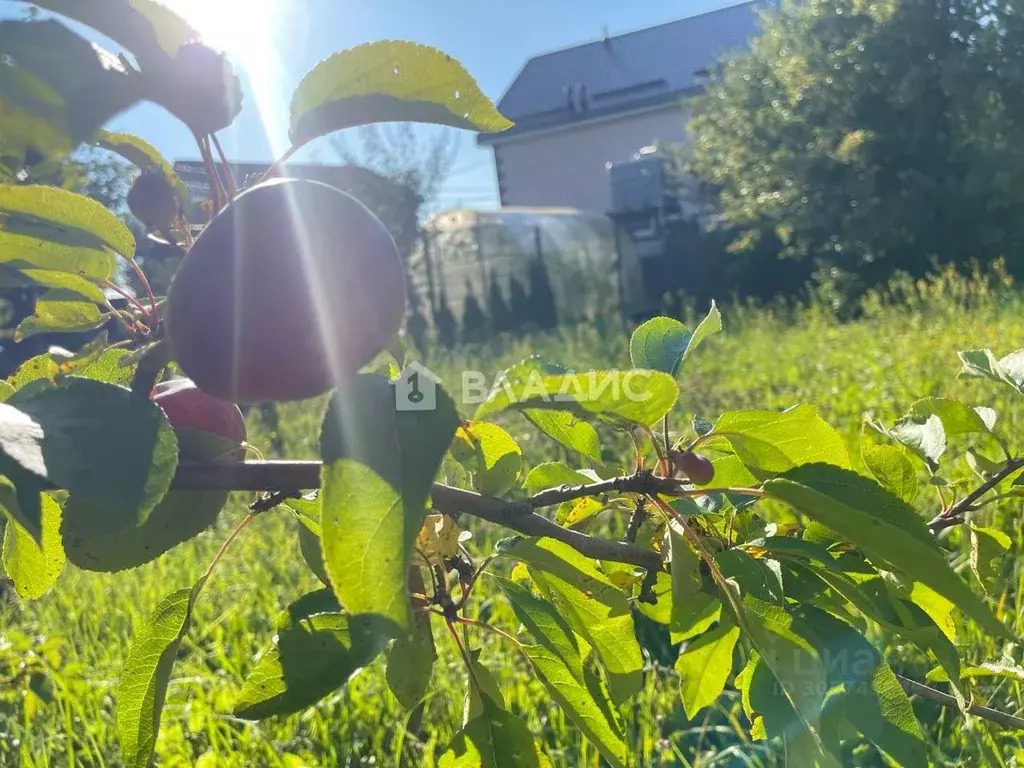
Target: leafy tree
x,y
497,306
520,309
445,324
543,308
475,323
871,137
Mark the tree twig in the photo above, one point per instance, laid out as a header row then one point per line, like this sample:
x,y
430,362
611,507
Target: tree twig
x,y
638,482
944,699
516,516
955,514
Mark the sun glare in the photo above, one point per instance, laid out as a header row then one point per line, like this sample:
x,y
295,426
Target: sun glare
x,y
241,28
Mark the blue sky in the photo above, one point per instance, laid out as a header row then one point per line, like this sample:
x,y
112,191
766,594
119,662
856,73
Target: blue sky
x,y
492,39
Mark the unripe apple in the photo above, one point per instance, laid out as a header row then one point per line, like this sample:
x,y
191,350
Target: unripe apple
x,y
188,407
694,467
291,288
153,201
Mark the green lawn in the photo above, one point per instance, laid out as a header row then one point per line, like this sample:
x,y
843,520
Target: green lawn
x,y
767,358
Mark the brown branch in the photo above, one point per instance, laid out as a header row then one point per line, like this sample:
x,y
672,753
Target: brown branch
x,y
944,699
955,515
521,518
292,476
640,482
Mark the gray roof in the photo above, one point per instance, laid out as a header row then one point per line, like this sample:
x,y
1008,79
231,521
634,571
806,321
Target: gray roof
x,y
647,67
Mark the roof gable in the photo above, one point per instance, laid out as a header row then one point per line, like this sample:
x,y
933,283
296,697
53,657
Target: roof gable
x,y
624,72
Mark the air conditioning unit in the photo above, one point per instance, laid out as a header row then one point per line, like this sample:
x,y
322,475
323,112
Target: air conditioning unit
x,y
638,184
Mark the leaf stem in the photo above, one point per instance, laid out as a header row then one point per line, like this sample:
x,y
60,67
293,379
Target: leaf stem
x,y
490,628
465,656
232,182
211,171
127,297
276,167
227,543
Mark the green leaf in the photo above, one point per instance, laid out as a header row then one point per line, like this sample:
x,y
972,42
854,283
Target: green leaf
x,y
559,665
592,605
479,684
495,739
92,543
870,595
388,81
776,442
147,671
752,576
659,345
83,85
308,531
693,616
881,524
704,667
60,311
97,441
147,28
552,474
25,278
35,121
33,568
568,431
924,435
636,396
410,662
146,157
956,417
379,468
988,416
29,516
664,344
788,684
710,325
6,390
491,454
797,550
731,472
94,360
684,568
28,245
981,363
876,703
309,659
987,546
892,469
69,215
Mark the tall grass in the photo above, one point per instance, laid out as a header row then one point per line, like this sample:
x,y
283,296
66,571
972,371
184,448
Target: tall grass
x,y
901,347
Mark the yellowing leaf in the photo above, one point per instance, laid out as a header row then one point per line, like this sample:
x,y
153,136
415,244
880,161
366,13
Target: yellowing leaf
x,y
33,568
438,539
389,81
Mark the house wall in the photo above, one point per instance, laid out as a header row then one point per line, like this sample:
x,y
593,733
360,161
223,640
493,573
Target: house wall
x,y
568,167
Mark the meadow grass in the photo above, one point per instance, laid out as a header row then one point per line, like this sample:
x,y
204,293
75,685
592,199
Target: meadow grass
x,y
903,347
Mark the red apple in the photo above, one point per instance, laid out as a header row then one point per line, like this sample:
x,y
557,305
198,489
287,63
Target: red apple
x,y
291,288
696,468
188,407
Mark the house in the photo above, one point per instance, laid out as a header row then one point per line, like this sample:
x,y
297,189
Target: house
x,y
580,109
